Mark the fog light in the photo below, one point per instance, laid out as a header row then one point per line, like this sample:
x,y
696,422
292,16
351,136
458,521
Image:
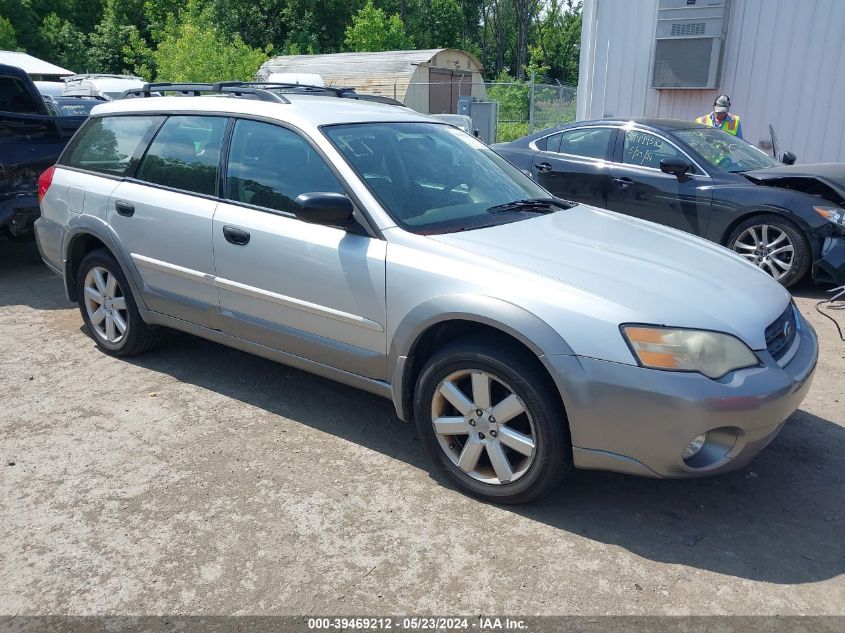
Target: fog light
x,y
693,447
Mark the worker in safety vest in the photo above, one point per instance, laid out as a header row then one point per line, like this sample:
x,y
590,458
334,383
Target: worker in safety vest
x,y
721,118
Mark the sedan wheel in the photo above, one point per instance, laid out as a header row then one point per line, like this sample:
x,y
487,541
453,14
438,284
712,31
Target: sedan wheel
x,y
775,245
105,305
768,247
483,427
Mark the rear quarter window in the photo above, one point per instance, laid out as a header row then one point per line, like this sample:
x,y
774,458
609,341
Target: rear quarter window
x,y
110,145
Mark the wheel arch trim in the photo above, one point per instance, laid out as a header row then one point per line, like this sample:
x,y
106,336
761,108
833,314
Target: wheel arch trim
x,y
509,319
87,225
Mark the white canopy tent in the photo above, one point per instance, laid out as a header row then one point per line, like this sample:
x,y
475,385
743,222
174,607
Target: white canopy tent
x,y
33,66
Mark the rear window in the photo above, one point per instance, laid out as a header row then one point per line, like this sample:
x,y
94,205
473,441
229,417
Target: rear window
x,y
15,97
109,144
185,153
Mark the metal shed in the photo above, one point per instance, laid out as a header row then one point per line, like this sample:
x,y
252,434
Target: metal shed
x,y
429,81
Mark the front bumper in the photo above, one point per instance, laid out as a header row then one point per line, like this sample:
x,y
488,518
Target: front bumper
x,y
830,267
635,420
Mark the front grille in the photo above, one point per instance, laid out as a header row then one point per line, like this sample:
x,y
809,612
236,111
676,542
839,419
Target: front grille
x,y
781,333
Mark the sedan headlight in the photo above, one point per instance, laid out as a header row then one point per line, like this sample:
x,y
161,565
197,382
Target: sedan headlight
x,y
832,214
710,353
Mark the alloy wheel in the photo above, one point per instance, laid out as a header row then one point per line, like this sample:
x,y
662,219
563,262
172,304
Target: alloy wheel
x,y
767,247
105,305
483,427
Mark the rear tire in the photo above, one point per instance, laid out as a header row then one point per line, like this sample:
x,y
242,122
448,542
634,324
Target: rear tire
x,y
775,245
108,307
516,458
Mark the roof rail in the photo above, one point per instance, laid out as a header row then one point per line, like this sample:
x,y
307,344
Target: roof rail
x,y
236,88
262,90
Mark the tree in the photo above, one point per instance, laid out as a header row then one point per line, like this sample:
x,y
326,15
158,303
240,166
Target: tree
x,y
436,23
559,40
193,49
67,43
373,30
8,39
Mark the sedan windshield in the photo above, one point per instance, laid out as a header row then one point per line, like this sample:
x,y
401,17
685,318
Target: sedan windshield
x,y
432,178
724,150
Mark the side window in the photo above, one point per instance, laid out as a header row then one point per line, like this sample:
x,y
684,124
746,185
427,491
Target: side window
x,y
552,143
587,142
185,154
269,166
107,144
646,150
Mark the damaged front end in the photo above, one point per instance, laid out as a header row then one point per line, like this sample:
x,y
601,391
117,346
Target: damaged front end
x,y
826,182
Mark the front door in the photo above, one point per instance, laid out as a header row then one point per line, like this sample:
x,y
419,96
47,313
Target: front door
x,y
638,187
313,291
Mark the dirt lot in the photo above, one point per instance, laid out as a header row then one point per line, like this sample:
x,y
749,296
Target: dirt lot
x,y
200,480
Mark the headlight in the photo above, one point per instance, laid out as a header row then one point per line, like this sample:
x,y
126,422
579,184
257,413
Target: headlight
x,y
832,214
709,353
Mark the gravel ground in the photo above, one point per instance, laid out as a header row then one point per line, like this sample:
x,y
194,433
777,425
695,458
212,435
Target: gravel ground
x,y
197,479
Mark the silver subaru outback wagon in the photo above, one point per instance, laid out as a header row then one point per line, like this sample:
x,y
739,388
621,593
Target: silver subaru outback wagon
x,y
363,242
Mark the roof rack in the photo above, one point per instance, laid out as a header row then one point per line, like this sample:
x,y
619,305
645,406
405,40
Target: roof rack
x,y
236,88
262,90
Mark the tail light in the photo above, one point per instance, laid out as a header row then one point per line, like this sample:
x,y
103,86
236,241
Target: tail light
x,y
44,182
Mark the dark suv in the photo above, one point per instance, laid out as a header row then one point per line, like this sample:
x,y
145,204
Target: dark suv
x,y
32,135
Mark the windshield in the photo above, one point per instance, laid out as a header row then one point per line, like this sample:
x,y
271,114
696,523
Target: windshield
x,y
432,178
724,150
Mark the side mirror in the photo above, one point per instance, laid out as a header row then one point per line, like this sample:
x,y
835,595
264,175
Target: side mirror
x,y
789,158
328,209
676,166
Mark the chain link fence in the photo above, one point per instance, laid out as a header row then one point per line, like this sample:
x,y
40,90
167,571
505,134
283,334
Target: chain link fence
x,y
524,106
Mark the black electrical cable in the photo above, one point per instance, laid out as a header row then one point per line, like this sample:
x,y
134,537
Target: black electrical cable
x,y
839,296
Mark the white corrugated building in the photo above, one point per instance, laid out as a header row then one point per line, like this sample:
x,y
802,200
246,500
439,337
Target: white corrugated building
x,y
428,81
781,61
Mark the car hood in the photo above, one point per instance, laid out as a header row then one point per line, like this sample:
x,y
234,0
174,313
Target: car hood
x,y
654,274
824,179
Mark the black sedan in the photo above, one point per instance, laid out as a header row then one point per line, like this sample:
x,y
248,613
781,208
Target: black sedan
x,y
787,219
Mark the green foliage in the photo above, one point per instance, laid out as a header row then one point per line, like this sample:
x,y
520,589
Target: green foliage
x,y
558,39
193,49
510,131
122,35
8,39
513,95
436,23
373,30
67,43
119,48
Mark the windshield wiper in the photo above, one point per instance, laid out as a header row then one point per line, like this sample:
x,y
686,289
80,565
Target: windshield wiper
x,y
536,205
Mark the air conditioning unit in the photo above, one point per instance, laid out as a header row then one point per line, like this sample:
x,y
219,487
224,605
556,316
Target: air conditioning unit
x,y
689,43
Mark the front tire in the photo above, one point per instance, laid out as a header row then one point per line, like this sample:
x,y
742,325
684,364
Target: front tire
x,y
491,419
775,245
108,307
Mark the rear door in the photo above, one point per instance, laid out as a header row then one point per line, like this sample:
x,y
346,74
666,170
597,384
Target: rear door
x,y
573,164
163,217
314,291
638,187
